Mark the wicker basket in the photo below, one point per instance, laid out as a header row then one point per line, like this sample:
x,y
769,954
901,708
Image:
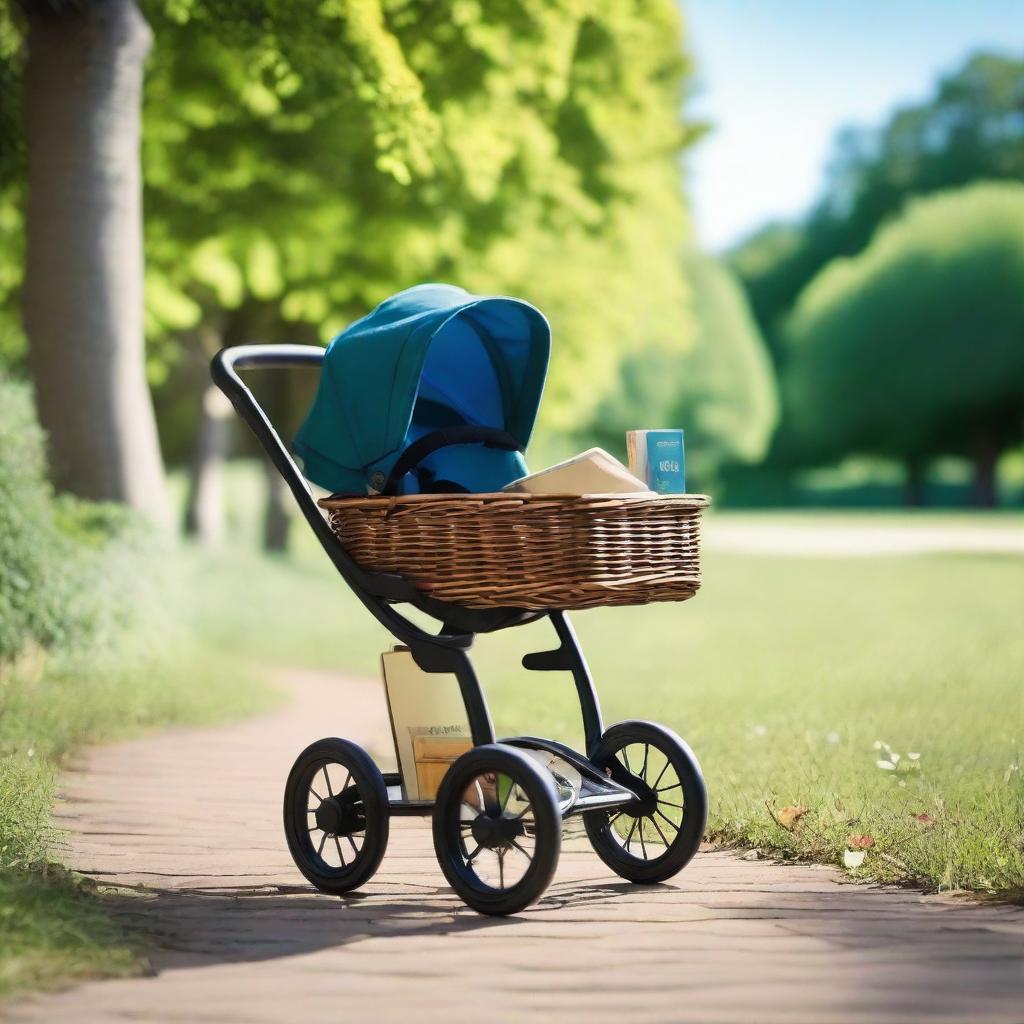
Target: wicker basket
x,y
534,551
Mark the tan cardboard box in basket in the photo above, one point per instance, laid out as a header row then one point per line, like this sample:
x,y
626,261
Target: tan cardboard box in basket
x,y
428,720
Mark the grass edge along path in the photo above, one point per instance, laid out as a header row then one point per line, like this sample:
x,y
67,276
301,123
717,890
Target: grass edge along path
x,y
155,667
56,925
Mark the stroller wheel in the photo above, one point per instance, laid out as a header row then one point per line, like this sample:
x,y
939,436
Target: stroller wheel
x,y
654,837
497,829
336,815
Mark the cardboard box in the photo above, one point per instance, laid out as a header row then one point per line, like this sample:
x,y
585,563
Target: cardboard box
x,y
428,722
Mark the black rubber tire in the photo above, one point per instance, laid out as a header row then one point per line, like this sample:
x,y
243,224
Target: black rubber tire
x,y
547,829
372,801
684,845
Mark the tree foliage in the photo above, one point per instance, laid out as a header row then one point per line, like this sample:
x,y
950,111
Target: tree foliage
x,y
916,346
972,128
722,392
302,162
12,173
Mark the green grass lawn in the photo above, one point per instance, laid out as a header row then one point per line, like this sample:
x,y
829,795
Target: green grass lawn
x,y
794,679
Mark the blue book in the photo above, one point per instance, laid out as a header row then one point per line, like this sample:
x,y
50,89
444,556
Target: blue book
x,y
661,459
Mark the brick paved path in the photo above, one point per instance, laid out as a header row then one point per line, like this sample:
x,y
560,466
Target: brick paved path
x,y
191,818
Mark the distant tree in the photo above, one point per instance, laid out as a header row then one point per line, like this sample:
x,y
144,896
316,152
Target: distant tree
x,y
915,347
971,129
722,392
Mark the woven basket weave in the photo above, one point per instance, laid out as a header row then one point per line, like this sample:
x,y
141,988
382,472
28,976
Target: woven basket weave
x,y
533,551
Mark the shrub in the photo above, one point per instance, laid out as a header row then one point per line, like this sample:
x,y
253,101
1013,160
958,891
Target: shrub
x,y
34,576
50,546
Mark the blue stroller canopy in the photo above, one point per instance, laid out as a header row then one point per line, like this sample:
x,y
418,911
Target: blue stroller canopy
x,y
430,358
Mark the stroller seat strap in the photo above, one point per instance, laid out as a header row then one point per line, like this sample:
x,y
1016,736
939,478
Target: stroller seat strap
x,y
489,437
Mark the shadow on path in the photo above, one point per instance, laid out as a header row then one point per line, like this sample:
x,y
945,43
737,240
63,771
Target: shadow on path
x,y
197,927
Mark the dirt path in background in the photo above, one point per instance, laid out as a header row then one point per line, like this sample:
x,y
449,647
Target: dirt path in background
x,y
191,818
812,539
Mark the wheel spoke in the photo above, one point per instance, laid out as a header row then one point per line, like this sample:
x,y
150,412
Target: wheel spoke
x,y
625,758
320,848
643,846
629,835
341,856
660,833
675,785
327,779
643,770
316,794
525,853
470,858
667,818
501,866
665,803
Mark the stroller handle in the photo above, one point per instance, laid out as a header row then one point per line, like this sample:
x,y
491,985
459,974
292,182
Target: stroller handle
x,y
267,357
224,369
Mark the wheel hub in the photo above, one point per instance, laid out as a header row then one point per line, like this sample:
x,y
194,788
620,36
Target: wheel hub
x,y
491,833
338,817
646,802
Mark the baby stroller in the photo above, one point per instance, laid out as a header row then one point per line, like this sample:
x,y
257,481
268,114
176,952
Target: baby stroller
x,y
434,390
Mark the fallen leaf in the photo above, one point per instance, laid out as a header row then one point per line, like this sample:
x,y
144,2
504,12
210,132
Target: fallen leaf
x,y
886,766
789,816
860,842
853,859
751,855
924,819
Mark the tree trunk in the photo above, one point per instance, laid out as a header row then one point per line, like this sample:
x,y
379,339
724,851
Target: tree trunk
x,y
985,492
277,519
914,482
204,510
83,298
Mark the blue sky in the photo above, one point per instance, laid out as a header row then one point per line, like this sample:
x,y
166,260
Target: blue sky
x,y
777,78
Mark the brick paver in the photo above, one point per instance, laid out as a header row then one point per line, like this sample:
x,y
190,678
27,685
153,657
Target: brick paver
x,y
191,819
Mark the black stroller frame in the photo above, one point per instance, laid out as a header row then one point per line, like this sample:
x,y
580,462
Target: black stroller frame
x,y
610,787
